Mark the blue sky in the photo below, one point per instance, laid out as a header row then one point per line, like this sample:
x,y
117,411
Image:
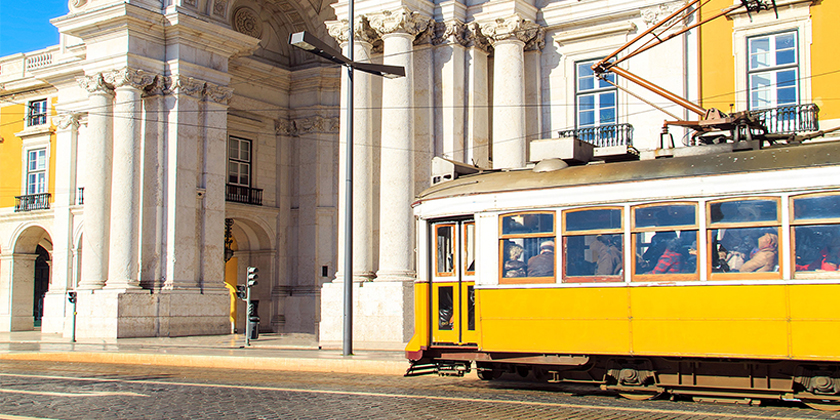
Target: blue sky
x,y
25,24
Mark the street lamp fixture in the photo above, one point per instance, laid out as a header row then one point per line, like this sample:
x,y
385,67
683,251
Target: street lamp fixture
x,y
311,44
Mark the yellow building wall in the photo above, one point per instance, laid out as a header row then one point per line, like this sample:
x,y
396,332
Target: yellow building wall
x,y
11,122
825,81
12,118
717,65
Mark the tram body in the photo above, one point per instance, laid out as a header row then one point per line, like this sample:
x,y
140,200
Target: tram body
x,y
608,315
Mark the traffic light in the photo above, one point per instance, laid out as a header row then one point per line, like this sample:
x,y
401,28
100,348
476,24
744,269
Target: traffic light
x,y
71,296
240,291
253,276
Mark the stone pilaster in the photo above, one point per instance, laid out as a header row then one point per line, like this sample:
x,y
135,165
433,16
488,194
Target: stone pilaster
x,y
97,182
363,149
477,101
124,256
396,227
509,38
17,283
450,60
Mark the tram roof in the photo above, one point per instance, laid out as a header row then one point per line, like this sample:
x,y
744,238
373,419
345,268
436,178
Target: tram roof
x,y
769,159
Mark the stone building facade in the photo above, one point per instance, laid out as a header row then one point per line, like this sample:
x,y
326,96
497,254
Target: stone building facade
x,y
184,140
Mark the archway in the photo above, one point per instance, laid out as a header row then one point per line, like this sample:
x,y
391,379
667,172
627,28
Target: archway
x,y
25,276
41,283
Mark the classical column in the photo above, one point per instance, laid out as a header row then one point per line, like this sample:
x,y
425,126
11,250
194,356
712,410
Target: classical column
x,y
396,224
478,87
508,37
97,182
363,148
152,226
124,256
450,60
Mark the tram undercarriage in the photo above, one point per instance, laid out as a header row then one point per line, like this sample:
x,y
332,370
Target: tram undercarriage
x,y
741,381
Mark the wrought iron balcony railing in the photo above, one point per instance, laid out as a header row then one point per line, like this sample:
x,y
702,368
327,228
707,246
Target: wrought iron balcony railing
x,y
32,202
246,195
789,119
603,135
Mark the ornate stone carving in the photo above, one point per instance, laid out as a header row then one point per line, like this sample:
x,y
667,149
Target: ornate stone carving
x,y
65,121
513,28
218,94
190,3
307,125
338,29
453,31
220,7
247,22
187,86
402,20
474,38
537,42
283,127
159,86
94,84
76,4
652,15
135,78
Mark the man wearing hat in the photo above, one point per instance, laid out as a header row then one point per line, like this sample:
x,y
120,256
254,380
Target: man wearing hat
x,y
542,264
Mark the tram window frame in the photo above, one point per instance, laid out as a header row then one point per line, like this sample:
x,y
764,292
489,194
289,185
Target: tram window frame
x,y
513,237
568,234
713,226
636,231
453,249
798,224
469,243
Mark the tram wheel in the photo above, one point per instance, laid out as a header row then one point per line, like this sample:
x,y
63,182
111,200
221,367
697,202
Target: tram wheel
x,y
641,396
822,405
489,374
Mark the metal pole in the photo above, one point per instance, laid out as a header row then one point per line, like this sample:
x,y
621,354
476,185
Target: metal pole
x,y
73,337
248,326
347,342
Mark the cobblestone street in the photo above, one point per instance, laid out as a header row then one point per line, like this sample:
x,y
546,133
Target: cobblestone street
x,y
91,391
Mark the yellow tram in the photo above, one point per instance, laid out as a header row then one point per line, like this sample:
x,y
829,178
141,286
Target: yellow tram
x,y
712,275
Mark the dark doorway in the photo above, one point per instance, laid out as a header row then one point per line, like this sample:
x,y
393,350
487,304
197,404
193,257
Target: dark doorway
x,y
42,283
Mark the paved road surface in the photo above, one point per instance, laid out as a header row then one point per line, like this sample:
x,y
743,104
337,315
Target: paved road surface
x,y
94,391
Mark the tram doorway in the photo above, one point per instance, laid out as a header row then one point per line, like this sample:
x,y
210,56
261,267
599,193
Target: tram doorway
x,y
453,308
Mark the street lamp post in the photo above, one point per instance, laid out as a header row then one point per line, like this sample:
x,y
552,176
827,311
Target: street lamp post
x,y
310,43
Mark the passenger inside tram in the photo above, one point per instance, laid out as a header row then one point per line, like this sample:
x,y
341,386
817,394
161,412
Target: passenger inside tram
x,y
542,264
514,266
817,248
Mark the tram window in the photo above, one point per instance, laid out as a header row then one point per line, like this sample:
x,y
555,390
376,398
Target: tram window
x,y
592,245
469,248
816,207
445,257
816,247
527,248
745,250
665,242
744,236
445,308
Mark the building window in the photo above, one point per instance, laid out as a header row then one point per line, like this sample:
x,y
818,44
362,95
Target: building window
x,y
36,171
526,247
773,70
36,113
595,99
239,162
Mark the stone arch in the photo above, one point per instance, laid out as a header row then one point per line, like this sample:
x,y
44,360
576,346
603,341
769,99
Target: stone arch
x,y
17,276
253,246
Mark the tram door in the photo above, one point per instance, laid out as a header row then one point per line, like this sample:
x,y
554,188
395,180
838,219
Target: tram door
x,y
453,280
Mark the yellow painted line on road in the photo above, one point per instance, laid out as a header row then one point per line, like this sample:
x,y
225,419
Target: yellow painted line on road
x,y
11,417
427,397
72,394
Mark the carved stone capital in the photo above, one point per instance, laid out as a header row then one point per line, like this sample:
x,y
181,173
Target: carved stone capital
x,y
160,86
475,38
218,94
339,30
403,20
454,32
183,85
513,28
66,120
283,127
95,84
129,77
75,5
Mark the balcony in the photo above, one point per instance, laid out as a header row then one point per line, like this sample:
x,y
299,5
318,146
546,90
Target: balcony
x,y
32,202
245,195
789,119
603,136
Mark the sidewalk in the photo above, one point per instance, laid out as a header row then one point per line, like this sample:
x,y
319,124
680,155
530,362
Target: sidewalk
x,y
293,352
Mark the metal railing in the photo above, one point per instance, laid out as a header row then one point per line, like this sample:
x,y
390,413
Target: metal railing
x,y
789,118
246,195
32,202
604,135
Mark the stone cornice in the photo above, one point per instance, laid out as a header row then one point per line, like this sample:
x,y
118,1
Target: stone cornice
x,y
402,20
514,28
